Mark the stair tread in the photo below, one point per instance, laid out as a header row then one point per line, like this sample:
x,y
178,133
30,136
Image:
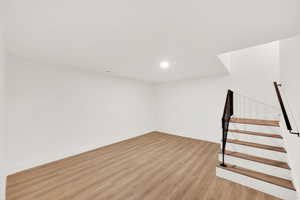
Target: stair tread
x,y
256,145
255,121
255,133
260,176
258,159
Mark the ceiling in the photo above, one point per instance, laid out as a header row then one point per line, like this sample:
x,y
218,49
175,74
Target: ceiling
x,y
130,37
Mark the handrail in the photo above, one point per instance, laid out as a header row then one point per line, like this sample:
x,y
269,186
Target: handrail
x,y
228,112
285,116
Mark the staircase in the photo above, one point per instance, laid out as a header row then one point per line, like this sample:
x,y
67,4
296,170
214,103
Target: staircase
x,y
253,154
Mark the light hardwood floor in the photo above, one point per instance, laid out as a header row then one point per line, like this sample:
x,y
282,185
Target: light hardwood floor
x,y
154,166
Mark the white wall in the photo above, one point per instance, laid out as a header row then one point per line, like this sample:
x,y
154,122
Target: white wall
x,y
253,71
290,73
2,129
57,112
194,108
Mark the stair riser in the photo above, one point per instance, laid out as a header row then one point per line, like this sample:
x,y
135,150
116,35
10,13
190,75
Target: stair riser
x,y
259,167
255,128
274,155
256,139
256,184
249,115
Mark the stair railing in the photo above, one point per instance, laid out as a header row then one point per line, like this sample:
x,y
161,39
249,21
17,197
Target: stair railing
x,y
228,112
285,115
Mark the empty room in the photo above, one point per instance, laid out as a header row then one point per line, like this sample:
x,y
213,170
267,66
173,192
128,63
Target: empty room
x,y
149,100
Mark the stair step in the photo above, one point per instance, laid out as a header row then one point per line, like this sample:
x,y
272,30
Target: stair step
x,y
255,133
256,145
268,188
260,176
257,166
255,128
255,121
274,163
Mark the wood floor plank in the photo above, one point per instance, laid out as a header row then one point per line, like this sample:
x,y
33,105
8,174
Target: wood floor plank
x,y
151,167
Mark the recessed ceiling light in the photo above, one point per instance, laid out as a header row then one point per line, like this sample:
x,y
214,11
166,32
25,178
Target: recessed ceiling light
x,y
164,64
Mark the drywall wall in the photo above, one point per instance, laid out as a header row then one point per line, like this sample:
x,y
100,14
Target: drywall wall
x,y
290,71
2,129
194,108
57,112
289,75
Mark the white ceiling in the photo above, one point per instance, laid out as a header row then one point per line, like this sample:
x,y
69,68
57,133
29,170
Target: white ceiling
x,y
131,37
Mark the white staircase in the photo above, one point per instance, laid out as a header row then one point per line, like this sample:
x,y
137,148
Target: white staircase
x,y
255,157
